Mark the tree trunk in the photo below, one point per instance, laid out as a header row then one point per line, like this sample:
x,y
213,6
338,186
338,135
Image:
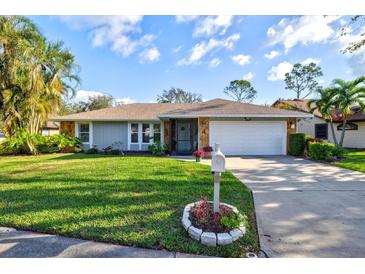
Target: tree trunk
x,y
333,133
343,131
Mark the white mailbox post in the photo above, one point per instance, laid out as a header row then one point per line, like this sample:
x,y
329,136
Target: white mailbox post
x,y
218,166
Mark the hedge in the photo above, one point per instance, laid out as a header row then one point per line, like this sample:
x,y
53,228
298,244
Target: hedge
x,y
296,144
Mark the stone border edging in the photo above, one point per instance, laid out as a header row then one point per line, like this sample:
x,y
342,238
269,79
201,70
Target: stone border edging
x,y
210,238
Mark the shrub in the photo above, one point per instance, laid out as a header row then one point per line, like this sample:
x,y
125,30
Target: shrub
x,y
338,152
234,220
296,144
116,152
157,149
207,149
21,142
202,211
17,144
91,151
309,139
321,151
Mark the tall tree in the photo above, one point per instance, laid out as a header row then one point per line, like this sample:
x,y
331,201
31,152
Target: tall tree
x,y
97,102
17,34
325,105
178,95
35,74
348,94
241,91
302,79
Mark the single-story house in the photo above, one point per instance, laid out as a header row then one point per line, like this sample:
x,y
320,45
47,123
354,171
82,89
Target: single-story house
x,y
51,128
320,128
240,128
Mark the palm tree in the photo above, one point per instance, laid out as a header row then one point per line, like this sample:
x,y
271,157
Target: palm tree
x,y
324,104
17,34
348,94
34,75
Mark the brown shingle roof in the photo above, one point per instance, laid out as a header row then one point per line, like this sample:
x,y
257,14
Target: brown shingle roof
x,y
300,104
296,104
154,111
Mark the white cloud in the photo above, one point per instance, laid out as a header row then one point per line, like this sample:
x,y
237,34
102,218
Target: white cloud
x,y
113,31
212,24
278,72
149,55
248,76
185,18
125,100
214,62
272,54
311,60
303,30
241,59
202,48
207,25
84,95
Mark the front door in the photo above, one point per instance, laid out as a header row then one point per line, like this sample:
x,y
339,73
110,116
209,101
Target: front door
x,y
184,145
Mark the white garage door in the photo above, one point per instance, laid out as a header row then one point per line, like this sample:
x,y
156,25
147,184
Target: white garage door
x,y
249,138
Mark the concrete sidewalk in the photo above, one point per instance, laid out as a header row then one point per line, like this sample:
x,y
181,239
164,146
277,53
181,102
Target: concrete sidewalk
x,y
24,244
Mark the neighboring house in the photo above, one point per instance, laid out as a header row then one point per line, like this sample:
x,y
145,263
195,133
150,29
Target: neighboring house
x,y
320,128
51,128
2,136
241,129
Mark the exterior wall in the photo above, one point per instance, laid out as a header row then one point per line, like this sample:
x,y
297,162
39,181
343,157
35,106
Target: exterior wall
x,y
54,132
203,132
106,133
353,138
67,128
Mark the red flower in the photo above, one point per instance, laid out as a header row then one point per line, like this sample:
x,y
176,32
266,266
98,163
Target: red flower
x,y
198,153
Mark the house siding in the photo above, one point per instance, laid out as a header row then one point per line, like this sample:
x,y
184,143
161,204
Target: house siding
x,y
106,133
353,138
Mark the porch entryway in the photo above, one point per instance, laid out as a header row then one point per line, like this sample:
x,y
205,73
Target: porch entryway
x,y
184,136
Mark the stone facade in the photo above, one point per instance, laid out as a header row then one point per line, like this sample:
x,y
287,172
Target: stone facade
x,y
203,125
166,132
67,128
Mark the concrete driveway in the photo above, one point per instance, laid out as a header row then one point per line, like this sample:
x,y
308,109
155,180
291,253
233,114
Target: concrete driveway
x,y
305,209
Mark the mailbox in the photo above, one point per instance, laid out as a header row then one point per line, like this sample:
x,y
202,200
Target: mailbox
x,y
218,160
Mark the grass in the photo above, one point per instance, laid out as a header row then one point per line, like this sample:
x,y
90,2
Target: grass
x,y
135,201
354,160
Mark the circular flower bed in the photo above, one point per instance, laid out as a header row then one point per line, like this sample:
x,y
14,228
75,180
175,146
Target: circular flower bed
x,y
211,228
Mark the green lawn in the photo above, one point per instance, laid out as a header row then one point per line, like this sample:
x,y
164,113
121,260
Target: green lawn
x,y
136,201
354,160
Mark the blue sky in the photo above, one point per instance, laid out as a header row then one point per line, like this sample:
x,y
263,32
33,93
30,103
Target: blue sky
x,y
135,58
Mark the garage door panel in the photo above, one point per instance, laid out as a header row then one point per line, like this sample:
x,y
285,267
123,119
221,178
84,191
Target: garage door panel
x,y
249,138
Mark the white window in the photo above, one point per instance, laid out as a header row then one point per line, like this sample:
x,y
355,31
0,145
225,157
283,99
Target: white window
x,y
84,132
157,133
134,133
145,133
